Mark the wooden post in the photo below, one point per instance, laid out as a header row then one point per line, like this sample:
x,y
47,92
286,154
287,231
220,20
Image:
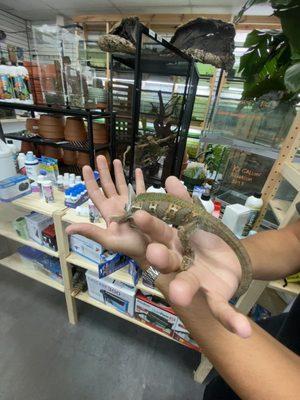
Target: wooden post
x,y
63,251
287,153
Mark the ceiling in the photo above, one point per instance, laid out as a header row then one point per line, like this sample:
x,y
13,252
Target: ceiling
x,y
47,10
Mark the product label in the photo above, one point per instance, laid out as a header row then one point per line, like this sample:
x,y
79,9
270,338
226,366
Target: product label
x,y
250,223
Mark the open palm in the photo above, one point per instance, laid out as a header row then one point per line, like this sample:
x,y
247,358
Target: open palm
x,y
111,200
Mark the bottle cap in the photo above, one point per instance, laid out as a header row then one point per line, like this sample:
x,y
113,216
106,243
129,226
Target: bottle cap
x,y
43,172
205,197
156,185
257,195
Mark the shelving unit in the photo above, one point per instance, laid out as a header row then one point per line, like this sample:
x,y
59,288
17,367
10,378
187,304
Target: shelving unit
x,y
90,115
7,231
17,264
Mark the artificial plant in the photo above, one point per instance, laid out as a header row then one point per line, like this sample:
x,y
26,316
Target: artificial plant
x,y
272,62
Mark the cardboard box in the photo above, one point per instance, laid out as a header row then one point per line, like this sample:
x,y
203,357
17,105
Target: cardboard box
x,y
49,237
154,312
111,292
86,248
20,227
182,335
36,223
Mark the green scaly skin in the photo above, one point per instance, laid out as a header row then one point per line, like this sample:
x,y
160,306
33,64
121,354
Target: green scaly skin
x,y
190,217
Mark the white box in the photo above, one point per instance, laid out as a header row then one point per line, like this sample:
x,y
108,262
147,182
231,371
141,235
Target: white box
x,y
36,223
111,292
183,336
235,217
86,248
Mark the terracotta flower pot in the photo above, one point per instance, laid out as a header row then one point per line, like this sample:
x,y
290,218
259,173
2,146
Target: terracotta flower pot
x,y
26,146
69,157
52,127
75,130
100,132
32,125
82,159
53,152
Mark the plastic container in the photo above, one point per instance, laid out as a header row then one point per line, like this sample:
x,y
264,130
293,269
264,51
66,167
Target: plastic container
x,y
40,179
155,188
32,165
60,183
14,150
207,203
48,193
94,214
21,163
254,203
235,217
7,165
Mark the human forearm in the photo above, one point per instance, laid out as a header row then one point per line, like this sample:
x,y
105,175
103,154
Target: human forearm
x,y
256,368
275,254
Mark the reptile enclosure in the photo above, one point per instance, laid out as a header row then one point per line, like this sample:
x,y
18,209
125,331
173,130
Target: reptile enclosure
x,y
152,124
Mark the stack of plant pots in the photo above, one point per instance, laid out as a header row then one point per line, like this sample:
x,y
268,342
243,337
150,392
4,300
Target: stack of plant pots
x,y
100,132
51,127
75,131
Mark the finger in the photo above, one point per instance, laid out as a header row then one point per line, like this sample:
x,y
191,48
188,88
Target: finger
x,y
164,259
157,230
139,181
90,231
183,288
93,189
120,178
228,316
105,177
175,187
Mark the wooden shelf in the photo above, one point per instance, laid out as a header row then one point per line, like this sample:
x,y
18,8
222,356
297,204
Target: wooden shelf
x,y
7,231
279,208
87,299
26,267
32,202
291,172
120,275
291,288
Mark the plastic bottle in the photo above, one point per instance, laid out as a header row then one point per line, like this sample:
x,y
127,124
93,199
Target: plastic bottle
x,y
47,187
255,203
60,183
77,179
94,215
14,150
66,180
7,165
155,188
207,203
31,165
21,163
40,179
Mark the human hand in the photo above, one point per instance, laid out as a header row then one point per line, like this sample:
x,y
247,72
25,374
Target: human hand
x,y
216,270
111,201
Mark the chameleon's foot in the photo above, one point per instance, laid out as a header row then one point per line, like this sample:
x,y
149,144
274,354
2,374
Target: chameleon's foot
x,y
186,263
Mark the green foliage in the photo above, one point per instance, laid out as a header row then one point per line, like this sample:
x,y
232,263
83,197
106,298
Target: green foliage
x,y
292,78
215,155
272,62
195,171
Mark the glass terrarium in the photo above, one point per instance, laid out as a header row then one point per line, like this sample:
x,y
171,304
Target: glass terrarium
x,y
65,65
153,93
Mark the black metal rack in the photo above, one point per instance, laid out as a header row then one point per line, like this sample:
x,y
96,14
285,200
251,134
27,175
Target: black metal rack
x,y
87,147
154,56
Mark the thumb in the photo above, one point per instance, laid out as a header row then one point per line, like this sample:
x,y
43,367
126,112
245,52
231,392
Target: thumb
x,y
232,320
91,231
